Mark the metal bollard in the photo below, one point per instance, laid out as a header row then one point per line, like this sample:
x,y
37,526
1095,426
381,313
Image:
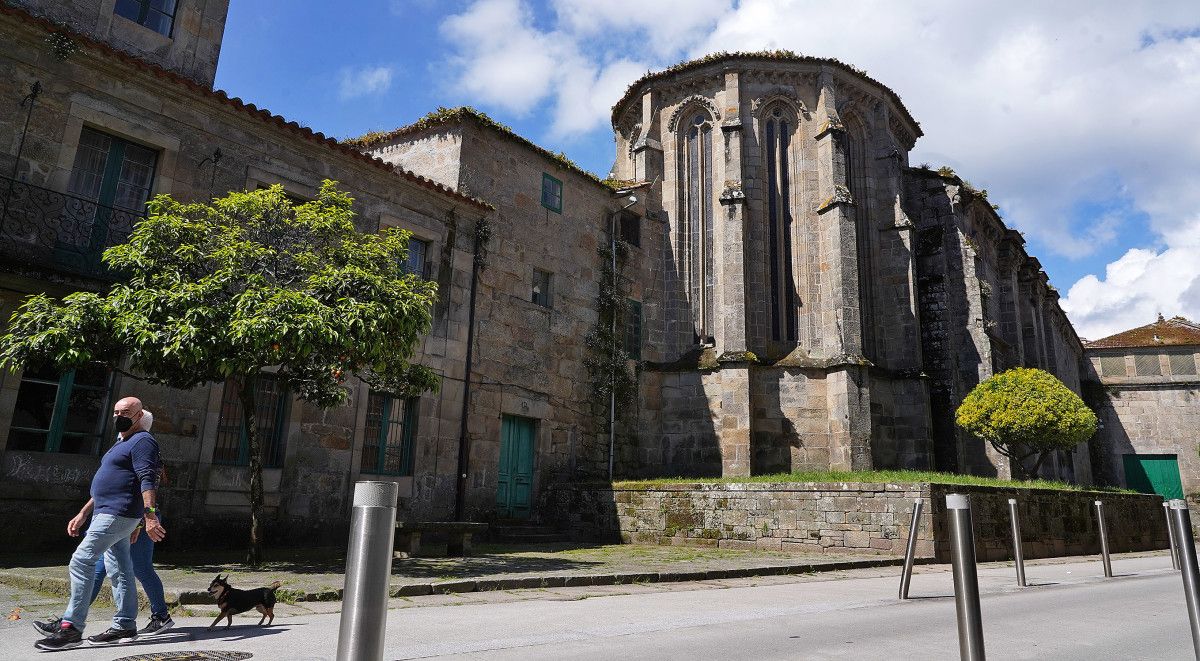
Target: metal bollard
x,y
1171,536
368,571
1103,540
911,550
1191,574
1018,551
966,581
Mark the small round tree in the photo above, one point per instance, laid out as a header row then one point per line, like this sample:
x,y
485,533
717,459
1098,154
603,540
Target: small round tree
x,y
1026,412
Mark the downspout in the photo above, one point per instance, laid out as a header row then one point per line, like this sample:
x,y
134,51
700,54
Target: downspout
x,y
460,493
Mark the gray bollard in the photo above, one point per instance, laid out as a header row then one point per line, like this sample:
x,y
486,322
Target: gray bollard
x,y
911,551
368,572
966,581
1191,574
1171,536
1018,551
1103,540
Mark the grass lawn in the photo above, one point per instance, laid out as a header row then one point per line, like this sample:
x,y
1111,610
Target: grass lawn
x,y
893,476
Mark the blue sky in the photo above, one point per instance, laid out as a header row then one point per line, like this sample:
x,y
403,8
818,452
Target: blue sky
x,y
1081,117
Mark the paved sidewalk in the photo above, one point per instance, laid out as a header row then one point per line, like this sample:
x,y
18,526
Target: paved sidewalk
x,y
316,576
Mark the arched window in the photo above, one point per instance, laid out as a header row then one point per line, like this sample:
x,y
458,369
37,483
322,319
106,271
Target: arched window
x,y
695,236
856,180
777,140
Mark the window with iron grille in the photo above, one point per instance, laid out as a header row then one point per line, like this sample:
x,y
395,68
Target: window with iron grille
x,y
1112,366
541,288
1147,365
388,440
633,330
158,15
551,193
1183,364
270,408
61,412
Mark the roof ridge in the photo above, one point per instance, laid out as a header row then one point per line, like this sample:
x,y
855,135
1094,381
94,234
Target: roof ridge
x,y
237,103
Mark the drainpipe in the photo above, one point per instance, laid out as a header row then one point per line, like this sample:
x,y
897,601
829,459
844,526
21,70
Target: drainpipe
x,y
460,493
612,386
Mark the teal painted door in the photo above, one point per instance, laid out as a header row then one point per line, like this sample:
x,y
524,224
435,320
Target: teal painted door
x,y
514,488
1153,473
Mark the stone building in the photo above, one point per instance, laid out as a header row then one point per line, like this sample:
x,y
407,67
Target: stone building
x,y
793,294
1144,385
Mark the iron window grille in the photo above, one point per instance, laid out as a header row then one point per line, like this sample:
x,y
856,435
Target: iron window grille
x,y
390,430
270,409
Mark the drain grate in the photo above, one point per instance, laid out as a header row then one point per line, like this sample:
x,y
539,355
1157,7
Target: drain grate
x,y
198,655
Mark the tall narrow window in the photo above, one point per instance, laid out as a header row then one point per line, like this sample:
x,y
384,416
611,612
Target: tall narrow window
x,y
116,176
270,407
541,288
552,193
415,264
695,236
388,441
856,178
779,227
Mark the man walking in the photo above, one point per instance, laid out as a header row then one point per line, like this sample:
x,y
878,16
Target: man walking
x,y
141,550
123,493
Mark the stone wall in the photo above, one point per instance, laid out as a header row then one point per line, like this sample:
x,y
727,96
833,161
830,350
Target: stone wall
x,y
851,517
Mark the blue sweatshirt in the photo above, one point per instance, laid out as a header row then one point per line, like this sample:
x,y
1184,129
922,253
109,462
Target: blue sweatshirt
x,y
126,470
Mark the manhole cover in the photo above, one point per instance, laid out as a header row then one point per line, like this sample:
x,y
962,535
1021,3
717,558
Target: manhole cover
x,y
198,655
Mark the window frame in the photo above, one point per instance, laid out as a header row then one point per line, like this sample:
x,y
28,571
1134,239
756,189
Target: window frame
x,y
629,228
548,295
408,434
144,10
65,387
556,198
423,270
274,448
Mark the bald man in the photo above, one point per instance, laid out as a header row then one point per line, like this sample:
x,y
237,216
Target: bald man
x,y
123,495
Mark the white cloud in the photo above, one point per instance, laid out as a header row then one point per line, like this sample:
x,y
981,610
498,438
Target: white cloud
x,y
1051,106
1138,286
364,81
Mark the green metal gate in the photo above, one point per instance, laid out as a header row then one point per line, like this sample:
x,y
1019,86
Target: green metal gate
x,y
514,488
1153,473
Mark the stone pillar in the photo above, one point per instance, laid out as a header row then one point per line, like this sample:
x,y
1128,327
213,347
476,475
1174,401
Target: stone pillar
x,y
847,381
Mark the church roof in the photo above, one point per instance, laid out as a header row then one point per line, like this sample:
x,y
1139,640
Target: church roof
x,y
220,96
1175,331
761,56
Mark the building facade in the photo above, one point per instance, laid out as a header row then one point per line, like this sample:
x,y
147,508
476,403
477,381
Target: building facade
x,y
794,295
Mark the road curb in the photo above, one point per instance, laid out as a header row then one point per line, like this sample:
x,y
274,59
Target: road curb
x,y
62,586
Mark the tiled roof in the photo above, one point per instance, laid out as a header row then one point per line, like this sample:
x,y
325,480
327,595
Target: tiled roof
x,y
221,96
1175,331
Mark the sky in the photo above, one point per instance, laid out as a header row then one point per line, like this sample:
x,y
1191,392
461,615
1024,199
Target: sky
x,y
1081,118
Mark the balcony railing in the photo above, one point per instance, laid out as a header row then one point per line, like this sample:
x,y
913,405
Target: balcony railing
x,y
47,229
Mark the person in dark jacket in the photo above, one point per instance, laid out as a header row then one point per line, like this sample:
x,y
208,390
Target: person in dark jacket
x,y
123,495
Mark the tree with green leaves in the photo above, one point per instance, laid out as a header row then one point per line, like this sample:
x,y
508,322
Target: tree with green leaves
x,y
221,291
1026,412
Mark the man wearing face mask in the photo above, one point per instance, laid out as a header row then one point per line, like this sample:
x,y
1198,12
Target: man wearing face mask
x,y
123,494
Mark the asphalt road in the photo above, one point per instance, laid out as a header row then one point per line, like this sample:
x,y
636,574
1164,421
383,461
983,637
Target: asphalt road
x,y
1069,612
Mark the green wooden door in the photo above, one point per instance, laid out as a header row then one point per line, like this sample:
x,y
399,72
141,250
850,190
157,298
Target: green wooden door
x,y
1153,473
514,488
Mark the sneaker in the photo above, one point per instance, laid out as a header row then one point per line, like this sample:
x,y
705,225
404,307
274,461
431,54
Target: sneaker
x,y
65,638
48,627
113,636
157,625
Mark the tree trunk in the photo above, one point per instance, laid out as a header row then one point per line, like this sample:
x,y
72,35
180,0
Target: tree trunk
x,y
246,393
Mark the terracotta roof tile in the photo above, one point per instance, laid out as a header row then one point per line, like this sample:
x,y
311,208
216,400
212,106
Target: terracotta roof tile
x,y
1176,331
236,103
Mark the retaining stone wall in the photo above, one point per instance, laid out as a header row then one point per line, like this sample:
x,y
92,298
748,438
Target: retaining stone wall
x,y
851,518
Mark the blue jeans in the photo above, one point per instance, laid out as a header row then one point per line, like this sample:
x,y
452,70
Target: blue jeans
x,y
107,537
142,553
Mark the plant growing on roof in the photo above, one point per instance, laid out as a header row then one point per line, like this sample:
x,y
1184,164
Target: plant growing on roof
x,y
220,291
1026,413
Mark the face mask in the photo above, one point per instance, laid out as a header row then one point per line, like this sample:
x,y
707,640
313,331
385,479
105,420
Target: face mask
x,y
122,423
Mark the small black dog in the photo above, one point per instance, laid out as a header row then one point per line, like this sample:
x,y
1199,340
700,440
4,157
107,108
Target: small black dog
x,y
232,602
